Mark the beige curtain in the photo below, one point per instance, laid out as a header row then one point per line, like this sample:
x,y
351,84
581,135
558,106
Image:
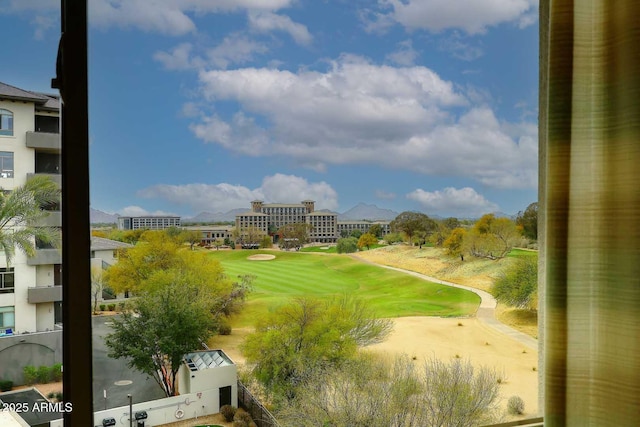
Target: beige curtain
x,y
590,199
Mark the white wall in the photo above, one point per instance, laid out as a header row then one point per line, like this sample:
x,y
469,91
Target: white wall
x,y
44,275
23,157
163,411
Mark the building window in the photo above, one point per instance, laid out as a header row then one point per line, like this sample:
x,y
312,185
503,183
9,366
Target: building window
x,y
6,164
6,122
6,280
7,317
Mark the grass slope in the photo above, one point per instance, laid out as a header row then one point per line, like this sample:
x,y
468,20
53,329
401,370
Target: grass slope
x,y
389,293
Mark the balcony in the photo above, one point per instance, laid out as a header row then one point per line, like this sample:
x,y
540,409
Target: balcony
x,y
45,256
55,177
44,294
44,141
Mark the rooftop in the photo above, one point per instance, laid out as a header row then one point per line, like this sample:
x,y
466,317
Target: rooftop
x,y
102,244
208,359
43,101
28,399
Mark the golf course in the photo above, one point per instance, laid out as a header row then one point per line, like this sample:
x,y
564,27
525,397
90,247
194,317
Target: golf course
x,y
293,275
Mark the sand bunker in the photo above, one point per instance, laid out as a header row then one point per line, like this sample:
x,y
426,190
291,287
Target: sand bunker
x,y
261,257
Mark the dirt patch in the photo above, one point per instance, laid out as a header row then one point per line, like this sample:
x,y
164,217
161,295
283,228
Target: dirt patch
x,y
261,257
525,321
425,337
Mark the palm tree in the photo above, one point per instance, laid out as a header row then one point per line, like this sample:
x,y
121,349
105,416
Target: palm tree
x,y
20,211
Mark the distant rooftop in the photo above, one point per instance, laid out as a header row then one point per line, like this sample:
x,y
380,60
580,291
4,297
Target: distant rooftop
x,y
102,244
29,397
43,101
201,360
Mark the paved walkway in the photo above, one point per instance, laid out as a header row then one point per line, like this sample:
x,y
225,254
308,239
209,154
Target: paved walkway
x,y
486,312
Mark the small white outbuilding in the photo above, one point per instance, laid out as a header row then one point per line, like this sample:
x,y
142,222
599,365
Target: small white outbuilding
x,y
208,370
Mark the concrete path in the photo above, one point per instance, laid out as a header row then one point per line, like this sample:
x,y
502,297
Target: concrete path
x,y
486,312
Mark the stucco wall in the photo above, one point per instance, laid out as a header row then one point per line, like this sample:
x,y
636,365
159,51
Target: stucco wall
x,y
18,351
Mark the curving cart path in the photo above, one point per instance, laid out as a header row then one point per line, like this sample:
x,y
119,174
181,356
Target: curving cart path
x,y
486,312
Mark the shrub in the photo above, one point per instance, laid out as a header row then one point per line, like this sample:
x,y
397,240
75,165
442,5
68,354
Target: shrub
x,y
347,245
102,307
224,328
56,372
243,417
30,374
112,307
239,423
6,385
51,395
59,396
44,372
228,412
515,405
121,306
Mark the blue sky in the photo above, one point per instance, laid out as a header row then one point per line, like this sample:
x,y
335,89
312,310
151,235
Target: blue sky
x,y
205,105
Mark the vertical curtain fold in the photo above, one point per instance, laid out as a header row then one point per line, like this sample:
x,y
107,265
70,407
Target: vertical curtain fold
x,y
590,193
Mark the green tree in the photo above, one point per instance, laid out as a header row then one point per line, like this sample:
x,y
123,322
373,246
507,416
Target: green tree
x,y
528,221
355,233
347,245
492,237
294,236
306,336
367,240
266,242
454,244
97,285
411,223
392,238
376,230
192,237
21,210
164,325
517,286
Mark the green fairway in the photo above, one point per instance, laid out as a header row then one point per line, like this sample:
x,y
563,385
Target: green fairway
x,y
521,253
294,274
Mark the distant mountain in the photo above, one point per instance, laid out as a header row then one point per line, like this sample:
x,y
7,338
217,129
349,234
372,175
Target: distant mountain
x,y
99,217
365,211
205,217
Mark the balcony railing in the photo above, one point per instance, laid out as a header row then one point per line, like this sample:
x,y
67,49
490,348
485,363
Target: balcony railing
x,y
55,177
43,140
41,294
45,256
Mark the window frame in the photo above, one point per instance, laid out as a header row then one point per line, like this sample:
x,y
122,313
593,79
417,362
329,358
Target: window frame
x,y
6,173
8,131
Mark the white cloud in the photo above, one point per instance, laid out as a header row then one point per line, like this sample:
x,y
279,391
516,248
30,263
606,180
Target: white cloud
x,y
235,49
471,16
461,48
451,201
359,113
224,197
138,211
268,21
162,16
405,55
179,58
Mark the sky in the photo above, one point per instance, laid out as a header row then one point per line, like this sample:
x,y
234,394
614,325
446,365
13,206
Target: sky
x,y
206,105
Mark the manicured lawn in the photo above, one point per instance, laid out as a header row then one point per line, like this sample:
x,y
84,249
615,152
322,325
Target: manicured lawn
x,y
521,253
330,249
294,274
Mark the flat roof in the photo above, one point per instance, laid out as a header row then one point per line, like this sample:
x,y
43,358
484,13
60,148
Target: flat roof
x,y
102,244
207,359
27,399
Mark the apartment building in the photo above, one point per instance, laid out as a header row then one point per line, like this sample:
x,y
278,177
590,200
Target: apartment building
x,y
31,290
211,233
346,227
150,222
270,217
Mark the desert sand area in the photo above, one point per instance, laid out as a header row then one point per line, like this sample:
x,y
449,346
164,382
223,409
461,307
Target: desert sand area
x,y
426,337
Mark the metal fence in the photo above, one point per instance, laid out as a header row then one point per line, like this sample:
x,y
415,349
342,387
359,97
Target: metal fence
x,y
261,415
